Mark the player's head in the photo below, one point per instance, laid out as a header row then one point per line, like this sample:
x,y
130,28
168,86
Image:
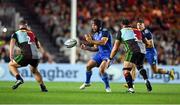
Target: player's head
x,y
96,25
140,24
23,24
125,22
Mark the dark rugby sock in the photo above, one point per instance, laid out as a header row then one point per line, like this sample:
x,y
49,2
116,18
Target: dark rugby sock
x,y
144,74
18,77
129,80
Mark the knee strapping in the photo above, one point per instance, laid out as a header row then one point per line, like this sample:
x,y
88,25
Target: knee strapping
x,y
126,73
129,69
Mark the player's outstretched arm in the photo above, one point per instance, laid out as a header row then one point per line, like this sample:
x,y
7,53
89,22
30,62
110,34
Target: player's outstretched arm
x,y
41,49
11,51
149,43
103,41
115,49
93,49
89,39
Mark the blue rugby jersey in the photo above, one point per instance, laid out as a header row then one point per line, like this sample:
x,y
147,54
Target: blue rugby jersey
x,y
108,46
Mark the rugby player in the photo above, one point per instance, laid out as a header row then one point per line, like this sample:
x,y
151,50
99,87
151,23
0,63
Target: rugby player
x,y
133,56
151,53
101,39
30,54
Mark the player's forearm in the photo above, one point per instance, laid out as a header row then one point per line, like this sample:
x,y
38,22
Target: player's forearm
x,y
93,49
41,49
113,52
98,42
11,50
149,43
115,49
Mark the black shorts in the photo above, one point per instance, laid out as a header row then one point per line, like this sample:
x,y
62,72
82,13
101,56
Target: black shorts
x,y
23,61
135,57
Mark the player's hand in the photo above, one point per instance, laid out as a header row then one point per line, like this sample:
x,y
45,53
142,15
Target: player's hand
x,y
83,46
148,43
108,62
88,38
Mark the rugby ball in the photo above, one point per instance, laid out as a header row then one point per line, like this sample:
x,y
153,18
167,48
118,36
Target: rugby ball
x,y
70,43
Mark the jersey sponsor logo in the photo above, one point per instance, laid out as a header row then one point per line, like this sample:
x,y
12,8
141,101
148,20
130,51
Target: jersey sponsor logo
x,y
146,31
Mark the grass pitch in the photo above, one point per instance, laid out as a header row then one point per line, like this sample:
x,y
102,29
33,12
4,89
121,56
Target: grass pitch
x,y
69,93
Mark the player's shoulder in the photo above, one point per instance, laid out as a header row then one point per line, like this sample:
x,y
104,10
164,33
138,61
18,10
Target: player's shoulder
x,y
136,30
146,31
104,30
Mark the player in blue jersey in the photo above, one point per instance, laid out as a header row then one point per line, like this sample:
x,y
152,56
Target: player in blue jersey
x,y
101,39
151,53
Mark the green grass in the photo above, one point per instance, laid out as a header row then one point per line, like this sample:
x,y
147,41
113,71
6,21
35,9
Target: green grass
x,y
69,93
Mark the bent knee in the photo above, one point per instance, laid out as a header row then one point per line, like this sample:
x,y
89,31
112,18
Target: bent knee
x,y
11,63
102,71
88,67
126,73
155,71
33,70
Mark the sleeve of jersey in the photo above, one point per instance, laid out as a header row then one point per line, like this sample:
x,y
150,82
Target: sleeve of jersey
x,y
148,34
14,36
118,36
105,34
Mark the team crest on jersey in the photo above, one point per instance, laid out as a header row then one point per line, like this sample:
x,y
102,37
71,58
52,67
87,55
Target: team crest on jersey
x,y
146,31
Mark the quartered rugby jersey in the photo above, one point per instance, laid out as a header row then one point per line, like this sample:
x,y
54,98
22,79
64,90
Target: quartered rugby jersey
x,y
27,42
127,36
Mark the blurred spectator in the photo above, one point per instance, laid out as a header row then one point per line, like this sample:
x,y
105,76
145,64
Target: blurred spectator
x,y
160,15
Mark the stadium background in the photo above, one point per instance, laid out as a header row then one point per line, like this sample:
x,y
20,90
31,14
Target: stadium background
x,y
51,21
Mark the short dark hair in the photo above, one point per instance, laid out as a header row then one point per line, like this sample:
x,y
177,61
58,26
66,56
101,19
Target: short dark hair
x,y
125,21
23,22
140,21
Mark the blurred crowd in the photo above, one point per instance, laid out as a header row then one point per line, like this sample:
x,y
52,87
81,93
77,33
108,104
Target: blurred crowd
x,y
160,16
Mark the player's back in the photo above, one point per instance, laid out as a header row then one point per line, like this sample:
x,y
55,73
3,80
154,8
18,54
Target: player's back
x,y
139,40
27,42
108,46
127,36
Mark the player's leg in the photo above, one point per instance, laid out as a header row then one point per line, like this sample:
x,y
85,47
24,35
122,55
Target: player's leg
x,y
104,75
142,71
13,65
91,64
157,70
133,74
37,75
152,60
127,66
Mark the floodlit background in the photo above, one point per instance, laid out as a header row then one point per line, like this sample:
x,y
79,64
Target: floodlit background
x,y
51,21
63,69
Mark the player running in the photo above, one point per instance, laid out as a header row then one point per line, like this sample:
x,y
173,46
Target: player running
x,y
133,56
140,41
151,53
101,39
29,45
